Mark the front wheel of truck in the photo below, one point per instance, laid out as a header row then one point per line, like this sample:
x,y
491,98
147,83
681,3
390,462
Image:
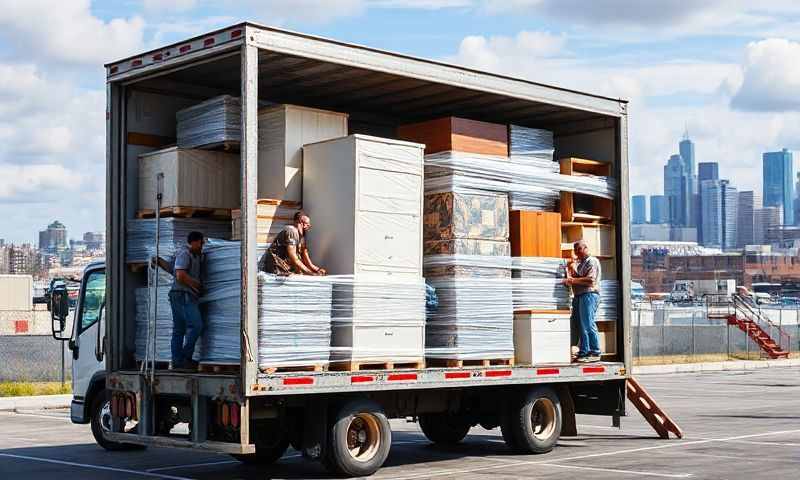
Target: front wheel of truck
x,y
101,424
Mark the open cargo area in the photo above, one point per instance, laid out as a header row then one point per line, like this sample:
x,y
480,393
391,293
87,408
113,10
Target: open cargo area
x,y
415,174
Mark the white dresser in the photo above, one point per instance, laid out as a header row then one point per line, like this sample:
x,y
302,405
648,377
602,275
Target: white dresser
x,y
364,197
541,336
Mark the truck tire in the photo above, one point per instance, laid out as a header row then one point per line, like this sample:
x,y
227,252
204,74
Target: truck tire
x,y
359,439
101,423
444,429
532,424
266,454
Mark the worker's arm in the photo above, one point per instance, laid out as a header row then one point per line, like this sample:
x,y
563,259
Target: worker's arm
x,y
306,258
186,279
297,264
165,265
584,281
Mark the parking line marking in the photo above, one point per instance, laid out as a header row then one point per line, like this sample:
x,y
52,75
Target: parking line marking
x,y
592,455
93,467
192,465
771,444
614,470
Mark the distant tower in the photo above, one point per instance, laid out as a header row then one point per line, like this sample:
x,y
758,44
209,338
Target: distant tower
x,y
686,150
777,177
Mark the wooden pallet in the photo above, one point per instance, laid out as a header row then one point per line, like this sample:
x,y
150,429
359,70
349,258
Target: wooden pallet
x,y
187,212
204,367
357,366
454,363
292,368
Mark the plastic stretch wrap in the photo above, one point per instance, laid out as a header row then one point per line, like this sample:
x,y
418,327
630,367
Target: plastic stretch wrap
x,y
475,266
294,320
378,319
214,121
537,283
141,235
221,302
609,291
474,319
485,172
532,146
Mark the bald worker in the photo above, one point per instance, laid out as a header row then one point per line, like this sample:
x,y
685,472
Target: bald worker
x,y
288,253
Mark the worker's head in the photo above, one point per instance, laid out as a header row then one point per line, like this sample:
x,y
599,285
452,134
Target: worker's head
x,y
581,249
195,241
302,221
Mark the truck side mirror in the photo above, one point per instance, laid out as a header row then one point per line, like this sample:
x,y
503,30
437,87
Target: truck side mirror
x,y
59,309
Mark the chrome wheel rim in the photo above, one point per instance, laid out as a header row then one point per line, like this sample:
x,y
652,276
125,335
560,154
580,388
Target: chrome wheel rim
x,y
363,437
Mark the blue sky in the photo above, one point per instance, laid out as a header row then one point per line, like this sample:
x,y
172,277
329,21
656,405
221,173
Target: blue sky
x,y
727,70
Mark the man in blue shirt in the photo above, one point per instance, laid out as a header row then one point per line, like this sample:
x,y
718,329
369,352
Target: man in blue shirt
x,y
184,298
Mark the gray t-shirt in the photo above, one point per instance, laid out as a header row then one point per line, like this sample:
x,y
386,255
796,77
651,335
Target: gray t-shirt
x,y
192,264
589,267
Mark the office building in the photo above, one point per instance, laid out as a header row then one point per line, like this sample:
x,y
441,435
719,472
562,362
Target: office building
x,y
677,191
711,202
95,240
778,188
686,151
749,201
54,238
765,219
707,171
639,209
730,205
658,209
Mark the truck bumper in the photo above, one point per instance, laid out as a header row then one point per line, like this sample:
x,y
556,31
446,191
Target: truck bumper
x,y
78,412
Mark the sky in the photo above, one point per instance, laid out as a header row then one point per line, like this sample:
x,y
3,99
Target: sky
x,y
728,71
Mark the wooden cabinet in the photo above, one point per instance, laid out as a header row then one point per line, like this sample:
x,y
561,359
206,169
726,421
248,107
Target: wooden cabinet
x,y
578,207
364,197
600,238
282,132
535,234
608,337
541,336
459,135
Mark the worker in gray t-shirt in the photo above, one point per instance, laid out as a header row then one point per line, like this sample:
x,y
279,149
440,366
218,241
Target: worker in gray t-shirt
x,y
184,298
584,278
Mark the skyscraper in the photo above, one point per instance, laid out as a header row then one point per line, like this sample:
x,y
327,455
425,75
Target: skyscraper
x,y
639,209
766,218
686,151
711,201
778,188
707,171
730,204
745,224
797,200
676,190
658,209
54,238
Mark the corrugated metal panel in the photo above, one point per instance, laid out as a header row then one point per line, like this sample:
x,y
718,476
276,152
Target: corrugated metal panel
x,y
16,292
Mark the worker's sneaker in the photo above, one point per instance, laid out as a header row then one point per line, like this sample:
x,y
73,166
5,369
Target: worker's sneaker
x,y
589,359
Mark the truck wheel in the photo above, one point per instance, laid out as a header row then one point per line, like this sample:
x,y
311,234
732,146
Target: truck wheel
x,y
101,424
360,438
444,429
533,424
269,449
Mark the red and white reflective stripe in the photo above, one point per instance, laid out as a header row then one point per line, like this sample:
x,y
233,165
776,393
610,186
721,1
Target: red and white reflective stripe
x,y
497,373
236,33
209,41
402,377
136,62
548,371
456,375
593,370
298,381
362,379
185,48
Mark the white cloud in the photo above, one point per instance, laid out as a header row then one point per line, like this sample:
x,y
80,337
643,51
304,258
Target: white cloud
x,y
67,32
169,5
33,183
771,74
276,12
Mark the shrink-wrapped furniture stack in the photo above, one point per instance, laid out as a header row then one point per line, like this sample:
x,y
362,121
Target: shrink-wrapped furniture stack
x,y
365,197
141,235
466,240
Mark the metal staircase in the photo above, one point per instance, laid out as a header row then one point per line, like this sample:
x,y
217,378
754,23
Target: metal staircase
x,y
747,316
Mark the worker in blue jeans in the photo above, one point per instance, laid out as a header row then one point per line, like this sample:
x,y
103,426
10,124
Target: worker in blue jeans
x,y
583,276
184,298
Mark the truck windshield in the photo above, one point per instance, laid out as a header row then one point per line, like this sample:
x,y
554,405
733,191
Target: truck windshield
x,y
94,297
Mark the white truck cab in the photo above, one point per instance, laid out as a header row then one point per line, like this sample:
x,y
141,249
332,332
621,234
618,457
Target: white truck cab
x,y
90,400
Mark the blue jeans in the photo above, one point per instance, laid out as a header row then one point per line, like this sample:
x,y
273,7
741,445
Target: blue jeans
x,y
187,326
584,309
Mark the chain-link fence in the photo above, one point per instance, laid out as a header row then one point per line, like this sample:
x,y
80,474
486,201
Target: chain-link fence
x,y
36,358
664,333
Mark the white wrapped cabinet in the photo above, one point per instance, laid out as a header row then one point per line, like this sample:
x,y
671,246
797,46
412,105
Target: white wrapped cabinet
x,y
542,336
282,132
364,197
192,178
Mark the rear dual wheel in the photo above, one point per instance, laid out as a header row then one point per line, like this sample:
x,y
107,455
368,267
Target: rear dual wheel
x,y
360,439
532,423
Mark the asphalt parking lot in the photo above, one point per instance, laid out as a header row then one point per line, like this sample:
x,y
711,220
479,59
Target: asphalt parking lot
x,y
736,425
